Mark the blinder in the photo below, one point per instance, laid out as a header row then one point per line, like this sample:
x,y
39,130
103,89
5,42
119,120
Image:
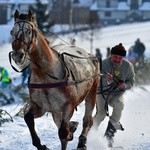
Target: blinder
x,y
23,32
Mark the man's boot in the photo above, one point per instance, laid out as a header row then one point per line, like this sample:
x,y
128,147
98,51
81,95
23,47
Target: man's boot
x,y
109,134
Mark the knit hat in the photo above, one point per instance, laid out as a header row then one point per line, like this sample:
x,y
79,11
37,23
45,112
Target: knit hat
x,y
118,50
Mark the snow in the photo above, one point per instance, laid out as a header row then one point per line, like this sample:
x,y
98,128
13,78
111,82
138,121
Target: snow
x,y
94,6
5,31
20,1
84,3
145,6
136,115
123,6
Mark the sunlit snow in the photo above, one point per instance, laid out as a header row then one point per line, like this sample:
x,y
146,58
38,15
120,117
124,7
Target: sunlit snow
x,y
136,115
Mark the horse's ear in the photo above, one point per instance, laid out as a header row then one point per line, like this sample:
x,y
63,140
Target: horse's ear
x,y
31,16
34,17
16,15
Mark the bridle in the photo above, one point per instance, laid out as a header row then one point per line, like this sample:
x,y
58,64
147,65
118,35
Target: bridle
x,y
21,39
10,56
21,25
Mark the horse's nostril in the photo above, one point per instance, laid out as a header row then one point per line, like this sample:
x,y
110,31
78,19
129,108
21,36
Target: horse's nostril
x,y
20,55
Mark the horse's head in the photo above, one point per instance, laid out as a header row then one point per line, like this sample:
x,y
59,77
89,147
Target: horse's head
x,y
23,34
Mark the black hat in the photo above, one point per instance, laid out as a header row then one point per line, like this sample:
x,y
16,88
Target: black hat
x,y
118,50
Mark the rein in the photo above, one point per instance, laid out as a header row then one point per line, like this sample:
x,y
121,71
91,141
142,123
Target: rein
x,y
60,56
63,83
53,77
21,29
64,53
10,53
57,84
110,89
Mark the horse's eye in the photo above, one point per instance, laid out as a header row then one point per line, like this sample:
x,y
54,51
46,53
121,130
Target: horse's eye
x,y
11,32
28,31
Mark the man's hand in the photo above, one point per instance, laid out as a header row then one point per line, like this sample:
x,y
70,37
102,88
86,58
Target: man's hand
x,y
109,78
121,85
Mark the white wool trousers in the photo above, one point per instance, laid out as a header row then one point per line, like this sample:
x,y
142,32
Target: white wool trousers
x,y
117,104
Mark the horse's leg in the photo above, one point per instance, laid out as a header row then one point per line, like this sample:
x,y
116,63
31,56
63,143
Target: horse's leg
x,y
67,128
72,128
29,119
57,117
88,120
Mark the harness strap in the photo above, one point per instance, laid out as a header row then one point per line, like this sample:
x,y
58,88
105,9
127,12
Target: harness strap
x,y
101,87
10,53
56,84
51,85
75,56
111,88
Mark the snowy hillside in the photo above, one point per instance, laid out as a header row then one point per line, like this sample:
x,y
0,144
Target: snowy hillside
x,y
136,114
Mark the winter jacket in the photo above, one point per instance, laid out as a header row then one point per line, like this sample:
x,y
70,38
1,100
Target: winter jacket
x,y
4,77
139,48
123,73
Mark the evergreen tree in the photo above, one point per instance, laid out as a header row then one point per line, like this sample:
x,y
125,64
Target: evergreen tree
x,y
42,16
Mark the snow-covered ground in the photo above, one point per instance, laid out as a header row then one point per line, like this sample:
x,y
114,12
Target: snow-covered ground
x,y
136,114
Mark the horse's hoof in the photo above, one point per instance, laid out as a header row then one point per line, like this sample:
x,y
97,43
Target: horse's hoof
x,y
43,147
83,148
73,126
47,148
82,142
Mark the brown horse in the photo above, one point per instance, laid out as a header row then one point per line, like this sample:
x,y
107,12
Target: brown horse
x,y
61,78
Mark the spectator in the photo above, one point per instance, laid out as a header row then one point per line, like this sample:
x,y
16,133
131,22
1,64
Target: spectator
x,y
132,56
139,49
98,53
5,84
25,75
108,52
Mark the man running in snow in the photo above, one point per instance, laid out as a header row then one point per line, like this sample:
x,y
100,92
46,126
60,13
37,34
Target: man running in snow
x,y
118,77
